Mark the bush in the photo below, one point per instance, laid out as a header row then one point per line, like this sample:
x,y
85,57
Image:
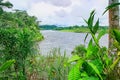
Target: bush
x,y
17,44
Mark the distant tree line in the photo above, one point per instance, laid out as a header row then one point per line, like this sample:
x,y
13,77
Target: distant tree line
x,y
54,27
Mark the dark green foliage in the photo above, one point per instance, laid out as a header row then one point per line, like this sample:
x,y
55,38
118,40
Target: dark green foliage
x,y
4,4
95,61
6,65
48,27
79,50
17,44
117,35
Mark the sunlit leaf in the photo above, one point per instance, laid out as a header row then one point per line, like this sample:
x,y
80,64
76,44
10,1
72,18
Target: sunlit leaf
x,y
74,73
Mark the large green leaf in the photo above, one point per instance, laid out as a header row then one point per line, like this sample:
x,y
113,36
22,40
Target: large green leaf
x,y
75,73
6,65
95,69
91,50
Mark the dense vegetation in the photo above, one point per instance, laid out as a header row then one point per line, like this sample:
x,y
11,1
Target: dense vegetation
x,y
19,58
18,40
94,62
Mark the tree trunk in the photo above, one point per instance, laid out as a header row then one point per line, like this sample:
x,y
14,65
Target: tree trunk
x,y
113,21
113,24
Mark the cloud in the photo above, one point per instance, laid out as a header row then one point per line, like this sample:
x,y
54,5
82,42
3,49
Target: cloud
x,y
20,4
63,12
61,3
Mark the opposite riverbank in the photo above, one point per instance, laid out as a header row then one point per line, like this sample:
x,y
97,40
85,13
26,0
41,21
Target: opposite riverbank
x,y
76,29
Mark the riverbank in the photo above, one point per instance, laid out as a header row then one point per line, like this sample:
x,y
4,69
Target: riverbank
x,y
77,29
81,30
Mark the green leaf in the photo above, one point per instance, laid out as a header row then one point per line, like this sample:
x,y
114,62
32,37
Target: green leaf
x,y
95,69
117,35
74,74
114,64
98,64
101,33
110,7
95,28
89,78
74,58
6,65
91,50
86,37
90,20
1,11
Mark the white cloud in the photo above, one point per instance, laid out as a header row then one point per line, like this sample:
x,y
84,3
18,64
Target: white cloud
x,y
61,3
63,12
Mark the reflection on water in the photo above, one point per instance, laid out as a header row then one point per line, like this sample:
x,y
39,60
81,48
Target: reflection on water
x,y
66,41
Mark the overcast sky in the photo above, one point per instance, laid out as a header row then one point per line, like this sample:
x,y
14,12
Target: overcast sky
x,y
63,12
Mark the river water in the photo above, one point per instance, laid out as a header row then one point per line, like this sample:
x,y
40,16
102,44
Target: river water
x,y
66,41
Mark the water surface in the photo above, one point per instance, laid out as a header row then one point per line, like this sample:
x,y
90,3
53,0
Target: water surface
x,y
66,41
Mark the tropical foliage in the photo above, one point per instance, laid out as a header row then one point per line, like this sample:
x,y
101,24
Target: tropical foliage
x,y
19,35
19,58
94,62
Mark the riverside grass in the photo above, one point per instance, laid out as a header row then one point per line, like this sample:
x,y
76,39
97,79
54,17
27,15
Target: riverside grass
x,y
53,66
82,30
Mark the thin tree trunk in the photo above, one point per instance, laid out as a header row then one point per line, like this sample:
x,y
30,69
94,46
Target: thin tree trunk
x,y
113,21
113,24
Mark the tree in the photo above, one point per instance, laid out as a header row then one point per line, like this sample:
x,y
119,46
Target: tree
x,y
113,21
3,4
113,24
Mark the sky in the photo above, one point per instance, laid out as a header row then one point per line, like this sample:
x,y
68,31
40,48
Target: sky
x,y
63,12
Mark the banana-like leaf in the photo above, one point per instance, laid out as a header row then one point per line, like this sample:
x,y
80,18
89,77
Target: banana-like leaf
x,y
110,7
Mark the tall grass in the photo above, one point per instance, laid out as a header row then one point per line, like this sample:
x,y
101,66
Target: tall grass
x,y
51,67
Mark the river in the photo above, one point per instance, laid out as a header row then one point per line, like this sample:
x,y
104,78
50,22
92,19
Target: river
x,y
66,41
